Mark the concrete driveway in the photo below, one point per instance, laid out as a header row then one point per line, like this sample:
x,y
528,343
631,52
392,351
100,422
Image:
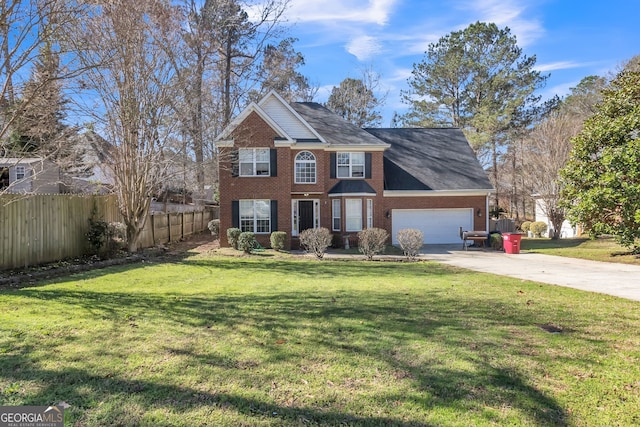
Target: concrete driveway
x,y
619,280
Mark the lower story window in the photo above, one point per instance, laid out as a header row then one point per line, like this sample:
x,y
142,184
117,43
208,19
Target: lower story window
x,y
255,216
353,214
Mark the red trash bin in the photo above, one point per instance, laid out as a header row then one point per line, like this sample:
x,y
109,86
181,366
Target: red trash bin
x,y
511,242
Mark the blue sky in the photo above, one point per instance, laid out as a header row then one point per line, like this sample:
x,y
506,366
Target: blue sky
x,y
570,38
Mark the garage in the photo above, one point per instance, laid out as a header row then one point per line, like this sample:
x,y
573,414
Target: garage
x,y
439,226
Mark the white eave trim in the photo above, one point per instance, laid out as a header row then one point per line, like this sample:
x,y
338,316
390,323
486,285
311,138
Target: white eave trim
x,y
437,193
357,147
353,195
224,143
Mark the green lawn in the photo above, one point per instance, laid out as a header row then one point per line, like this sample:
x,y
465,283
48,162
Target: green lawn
x,y
600,249
263,340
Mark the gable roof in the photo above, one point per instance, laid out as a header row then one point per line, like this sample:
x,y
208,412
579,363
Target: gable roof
x,y
334,129
437,159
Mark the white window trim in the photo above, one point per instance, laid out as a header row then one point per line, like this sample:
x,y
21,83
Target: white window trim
x,y
335,214
369,213
351,165
255,217
315,168
348,202
254,162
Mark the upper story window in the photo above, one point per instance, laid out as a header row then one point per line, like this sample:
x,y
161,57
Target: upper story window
x,y
350,165
305,168
254,161
20,172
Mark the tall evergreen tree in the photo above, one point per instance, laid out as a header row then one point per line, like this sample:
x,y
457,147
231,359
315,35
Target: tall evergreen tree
x,y
477,79
39,127
355,100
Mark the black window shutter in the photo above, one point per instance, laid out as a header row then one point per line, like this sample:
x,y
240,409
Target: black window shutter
x,y
274,215
273,157
332,165
235,163
367,165
235,214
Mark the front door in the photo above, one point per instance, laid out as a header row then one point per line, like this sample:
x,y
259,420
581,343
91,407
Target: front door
x,y
305,215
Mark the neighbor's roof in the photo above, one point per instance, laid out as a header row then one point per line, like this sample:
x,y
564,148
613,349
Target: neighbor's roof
x,y
334,129
430,159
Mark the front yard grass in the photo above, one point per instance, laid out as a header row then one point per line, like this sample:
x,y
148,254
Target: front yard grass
x,y
601,249
279,341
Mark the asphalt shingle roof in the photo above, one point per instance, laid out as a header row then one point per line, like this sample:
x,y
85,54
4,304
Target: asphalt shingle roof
x,y
352,187
430,159
333,128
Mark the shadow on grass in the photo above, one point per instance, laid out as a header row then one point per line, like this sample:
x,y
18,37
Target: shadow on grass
x,y
533,244
379,322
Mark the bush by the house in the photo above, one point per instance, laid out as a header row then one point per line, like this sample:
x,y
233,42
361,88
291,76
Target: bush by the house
x,y
537,228
278,239
410,241
116,236
526,226
97,233
372,241
232,237
316,240
496,241
246,241
214,226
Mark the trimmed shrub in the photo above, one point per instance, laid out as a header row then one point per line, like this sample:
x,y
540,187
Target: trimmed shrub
x,y
537,228
232,237
316,240
410,241
372,241
496,241
97,234
278,239
117,236
526,226
246,241
214,226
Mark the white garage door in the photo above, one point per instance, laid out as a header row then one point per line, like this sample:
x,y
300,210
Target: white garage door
x,y
439,226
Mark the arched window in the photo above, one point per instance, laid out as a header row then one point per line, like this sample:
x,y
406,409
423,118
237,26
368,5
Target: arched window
x,y
305,168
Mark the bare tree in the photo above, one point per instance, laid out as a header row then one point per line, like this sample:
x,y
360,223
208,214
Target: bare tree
x,y
130,78
546,153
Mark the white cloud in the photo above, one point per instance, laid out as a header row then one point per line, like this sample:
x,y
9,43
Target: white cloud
x,y
362,11
509,13
559,65
363,47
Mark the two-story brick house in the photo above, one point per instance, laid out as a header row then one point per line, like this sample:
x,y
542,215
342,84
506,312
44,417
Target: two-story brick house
x,y
290,167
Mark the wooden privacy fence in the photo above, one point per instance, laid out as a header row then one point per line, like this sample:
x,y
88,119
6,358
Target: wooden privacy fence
x,y
43,228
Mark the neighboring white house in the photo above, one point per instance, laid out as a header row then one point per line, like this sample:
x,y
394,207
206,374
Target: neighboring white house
x,y
567,230
29,175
